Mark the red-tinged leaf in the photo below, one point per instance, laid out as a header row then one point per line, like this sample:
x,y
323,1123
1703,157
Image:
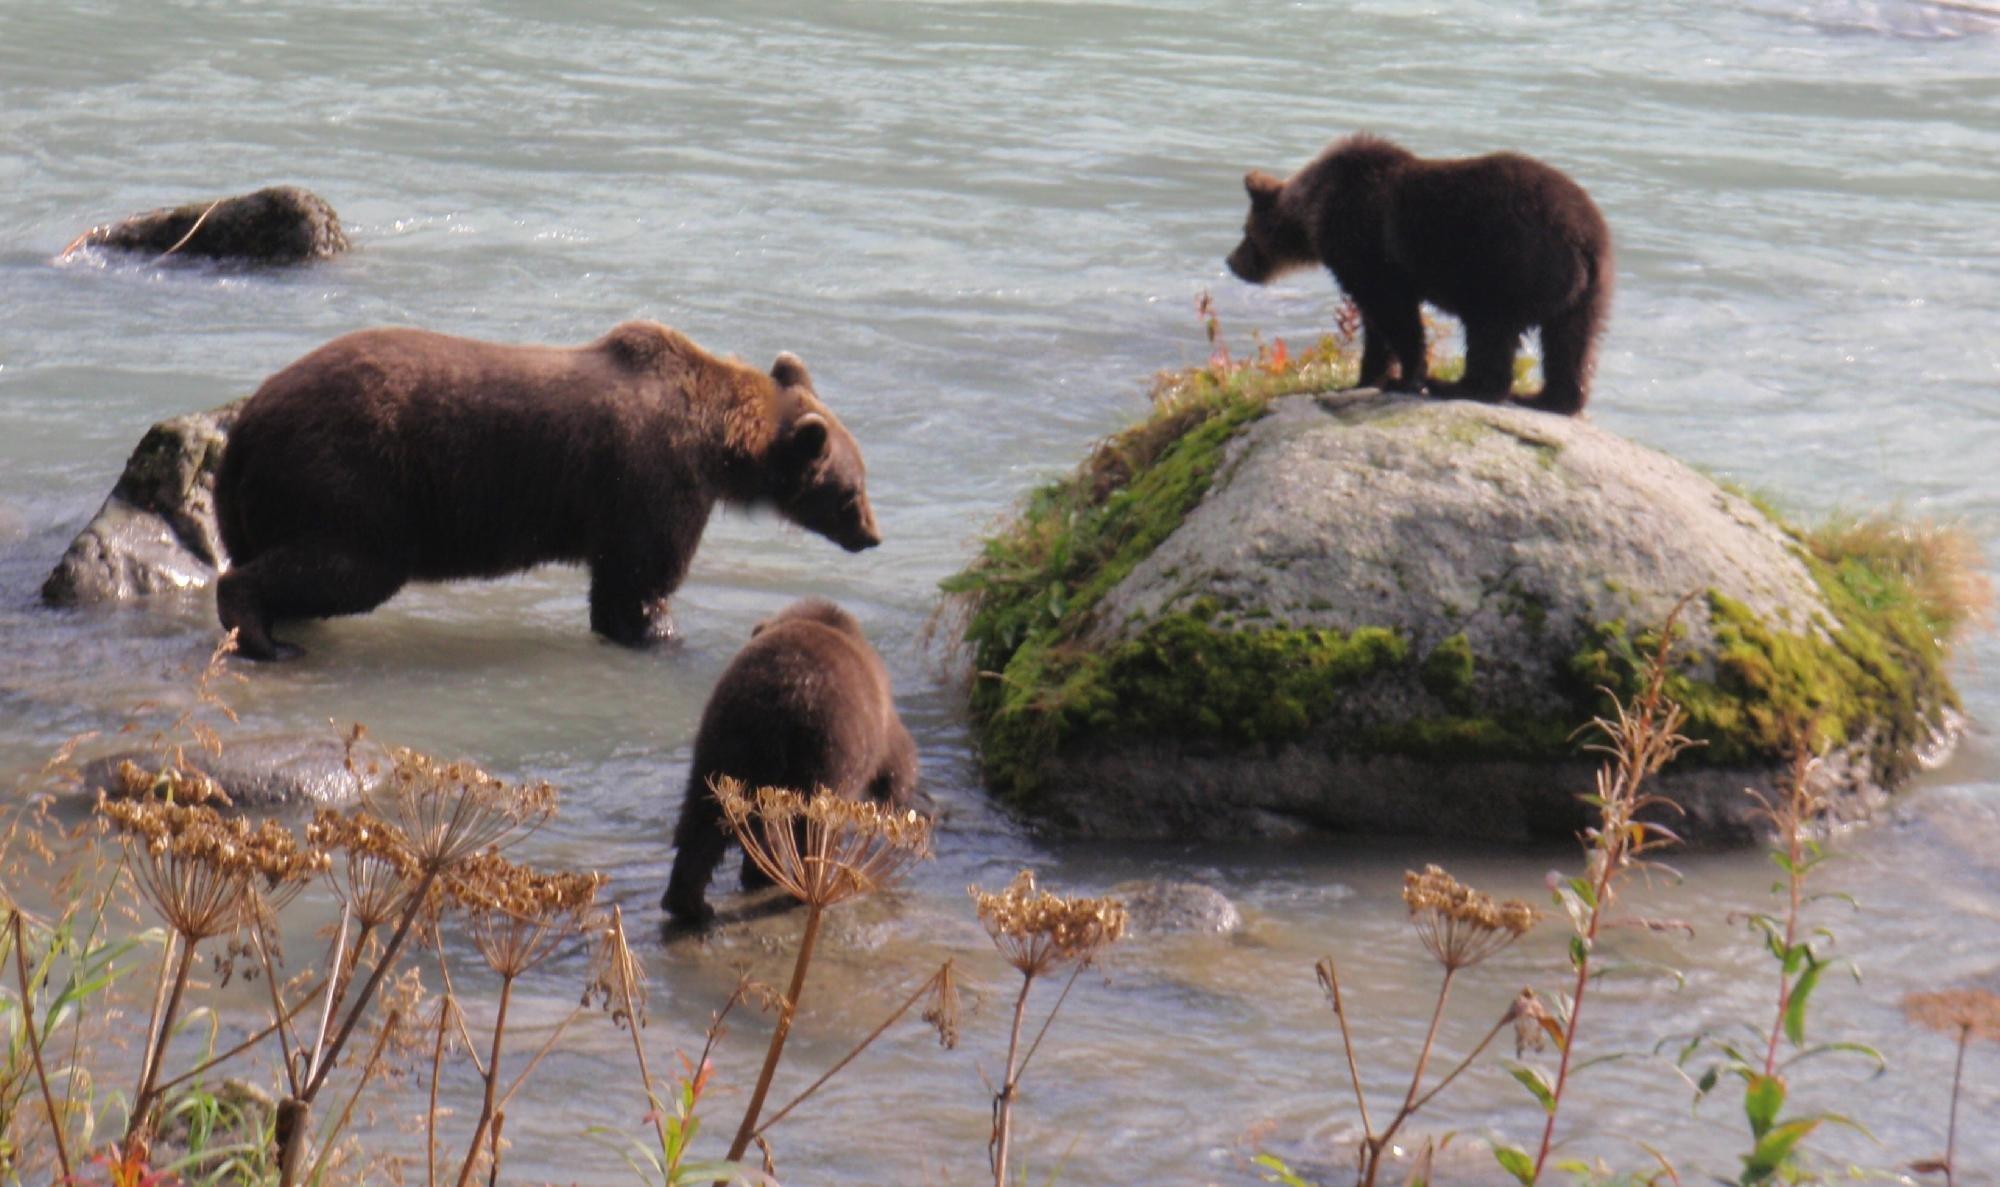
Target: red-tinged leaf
x,y
1930,1166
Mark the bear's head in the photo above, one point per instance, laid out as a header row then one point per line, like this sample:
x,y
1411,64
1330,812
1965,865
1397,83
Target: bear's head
x,y
1274,238
817,610
813,471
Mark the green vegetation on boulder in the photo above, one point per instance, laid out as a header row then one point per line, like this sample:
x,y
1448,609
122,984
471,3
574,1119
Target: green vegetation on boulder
x,y
1465,598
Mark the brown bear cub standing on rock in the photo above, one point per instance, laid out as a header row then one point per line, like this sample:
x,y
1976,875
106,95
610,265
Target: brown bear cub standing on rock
x,y
805,705
1503,242
394,455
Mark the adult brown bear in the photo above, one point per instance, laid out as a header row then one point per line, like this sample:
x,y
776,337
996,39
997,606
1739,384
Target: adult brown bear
x,y
1503,242
805,705
396,454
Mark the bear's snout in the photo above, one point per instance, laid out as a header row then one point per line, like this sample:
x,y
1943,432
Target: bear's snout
x,y
865,534
1246,264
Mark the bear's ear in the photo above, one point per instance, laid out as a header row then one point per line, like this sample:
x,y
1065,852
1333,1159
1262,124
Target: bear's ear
x,y
1262,187
790,372
809,435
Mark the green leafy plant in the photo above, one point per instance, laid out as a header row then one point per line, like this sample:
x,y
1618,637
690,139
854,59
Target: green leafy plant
x,y
1799,952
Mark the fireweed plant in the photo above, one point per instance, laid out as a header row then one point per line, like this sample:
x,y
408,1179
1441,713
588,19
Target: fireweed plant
x,y
1798,949
1038,933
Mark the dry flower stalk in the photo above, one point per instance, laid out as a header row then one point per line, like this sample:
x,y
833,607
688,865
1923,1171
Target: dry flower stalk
x,y
203,872
1458,925
1036,930
824,850
1966,1014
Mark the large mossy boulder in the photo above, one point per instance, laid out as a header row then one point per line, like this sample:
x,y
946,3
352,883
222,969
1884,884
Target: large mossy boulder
x,y
275,225
156,533
1366,612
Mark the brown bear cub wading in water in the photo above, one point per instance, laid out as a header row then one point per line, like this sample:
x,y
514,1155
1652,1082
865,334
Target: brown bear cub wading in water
x,y
804,705
1503,242
393,455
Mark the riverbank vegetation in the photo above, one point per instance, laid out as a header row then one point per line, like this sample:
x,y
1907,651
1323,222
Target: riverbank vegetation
x,y
167,881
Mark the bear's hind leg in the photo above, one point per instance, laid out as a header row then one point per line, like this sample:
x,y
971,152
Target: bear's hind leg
x,y
1489,363
1569,355
311,580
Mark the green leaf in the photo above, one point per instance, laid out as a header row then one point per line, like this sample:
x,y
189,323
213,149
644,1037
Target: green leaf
x,y
1795,1008
1775,1148
1579,952
1762,1099
1534,1081
1280,1172
1515,1162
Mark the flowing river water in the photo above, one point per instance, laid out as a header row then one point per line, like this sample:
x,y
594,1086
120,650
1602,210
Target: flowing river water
x,y
984,226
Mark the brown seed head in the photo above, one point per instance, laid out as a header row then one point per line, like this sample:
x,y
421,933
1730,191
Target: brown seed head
x,y
1956,1011
519,915
1036,930
450,811
378,869
825,850
1459,925
197,867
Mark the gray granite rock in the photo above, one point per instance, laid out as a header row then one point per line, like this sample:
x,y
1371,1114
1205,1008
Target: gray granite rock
x,y
156,532
1163,907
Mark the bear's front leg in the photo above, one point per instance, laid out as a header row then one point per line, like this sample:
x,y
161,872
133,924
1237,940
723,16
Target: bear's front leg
x,y
628,604
630,621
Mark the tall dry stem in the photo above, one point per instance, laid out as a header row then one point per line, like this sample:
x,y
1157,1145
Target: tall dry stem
x,y
1638,738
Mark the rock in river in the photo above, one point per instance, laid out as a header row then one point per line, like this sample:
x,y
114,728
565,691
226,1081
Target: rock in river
x,y
1366,612
156,532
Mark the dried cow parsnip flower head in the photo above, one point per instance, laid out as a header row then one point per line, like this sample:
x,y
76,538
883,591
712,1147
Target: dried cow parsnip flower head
x,y
1974,1012
520,915
447,812
376,871
1459,925
199,868
1036,930
825,850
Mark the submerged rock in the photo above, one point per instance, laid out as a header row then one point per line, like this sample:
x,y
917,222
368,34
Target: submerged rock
x,y
260,773
1369,612
156,532
1164,907
275,225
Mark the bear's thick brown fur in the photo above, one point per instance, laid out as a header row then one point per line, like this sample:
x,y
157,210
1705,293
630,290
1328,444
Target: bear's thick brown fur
x,y
805,705
1503,242
394,455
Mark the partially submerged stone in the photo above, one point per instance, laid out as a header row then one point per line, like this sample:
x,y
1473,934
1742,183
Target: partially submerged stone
x,y
1381,613
156,533
258,773
1165,907
275,225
